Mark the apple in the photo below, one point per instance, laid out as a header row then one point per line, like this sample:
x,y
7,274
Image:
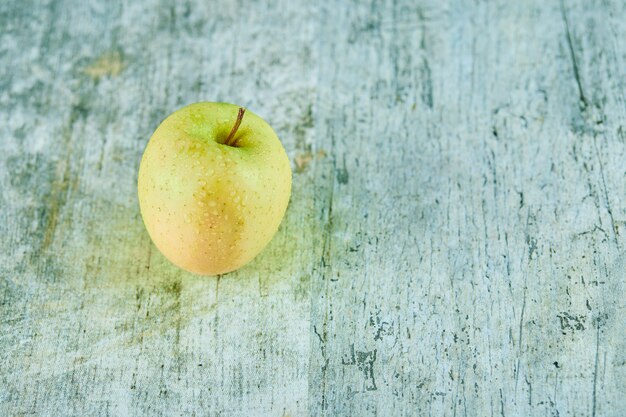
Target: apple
x,y
214,183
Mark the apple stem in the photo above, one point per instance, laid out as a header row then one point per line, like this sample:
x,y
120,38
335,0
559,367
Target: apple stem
x,y
229,140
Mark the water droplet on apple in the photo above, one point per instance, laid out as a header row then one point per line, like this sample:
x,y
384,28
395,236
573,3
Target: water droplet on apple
x,y
187,218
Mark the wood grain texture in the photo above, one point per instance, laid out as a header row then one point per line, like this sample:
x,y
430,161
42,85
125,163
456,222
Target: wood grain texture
x,y
455,243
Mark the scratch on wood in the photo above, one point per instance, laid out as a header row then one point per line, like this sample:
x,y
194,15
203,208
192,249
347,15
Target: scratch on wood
x,y
607,201
581,94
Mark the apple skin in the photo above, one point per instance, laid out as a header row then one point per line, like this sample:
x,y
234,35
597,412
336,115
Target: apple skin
x,y
210,208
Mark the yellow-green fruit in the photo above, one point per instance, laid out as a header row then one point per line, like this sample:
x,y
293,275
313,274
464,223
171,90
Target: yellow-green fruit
x,y
212,194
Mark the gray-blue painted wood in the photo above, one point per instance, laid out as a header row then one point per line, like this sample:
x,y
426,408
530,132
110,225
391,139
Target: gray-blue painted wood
x,y
455,243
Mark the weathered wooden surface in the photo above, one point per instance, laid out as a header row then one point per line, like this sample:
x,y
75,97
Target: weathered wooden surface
x,y
455,243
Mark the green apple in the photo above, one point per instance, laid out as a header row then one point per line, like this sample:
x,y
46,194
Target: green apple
x,y
214,183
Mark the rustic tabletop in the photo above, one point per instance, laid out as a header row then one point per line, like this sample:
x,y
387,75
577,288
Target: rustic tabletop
x,y
455,242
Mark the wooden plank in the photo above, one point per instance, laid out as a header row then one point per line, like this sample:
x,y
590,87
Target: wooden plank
x,y
454,245
473,262
94,320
